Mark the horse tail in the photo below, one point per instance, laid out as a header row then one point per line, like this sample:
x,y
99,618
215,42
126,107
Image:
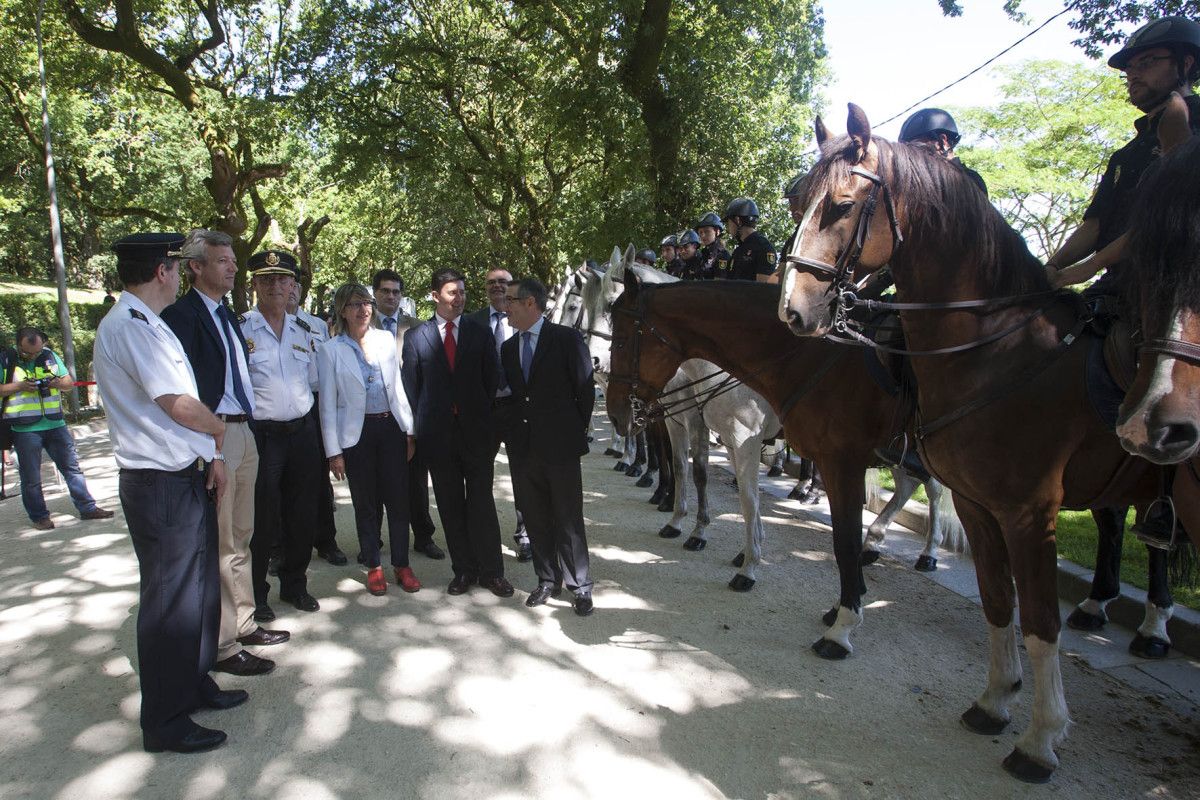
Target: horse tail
x,y
954,536
872,487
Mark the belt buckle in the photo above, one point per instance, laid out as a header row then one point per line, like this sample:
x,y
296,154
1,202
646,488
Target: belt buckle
x,y
199,464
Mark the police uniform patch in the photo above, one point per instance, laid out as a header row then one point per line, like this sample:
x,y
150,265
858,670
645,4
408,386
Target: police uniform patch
x,y
722,263
272,259
298,347
249,345
241,319
771,258
133,312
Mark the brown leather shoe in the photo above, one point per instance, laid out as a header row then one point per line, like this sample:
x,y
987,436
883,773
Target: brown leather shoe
x,y
244,663
498,586
46,524
97,513
261,637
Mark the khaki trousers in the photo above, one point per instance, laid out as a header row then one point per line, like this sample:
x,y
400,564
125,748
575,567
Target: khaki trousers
x,y
235,526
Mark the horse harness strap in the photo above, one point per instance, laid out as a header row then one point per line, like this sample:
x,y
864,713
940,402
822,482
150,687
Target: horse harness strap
x,y
1173,347
857,338
814,378
926,429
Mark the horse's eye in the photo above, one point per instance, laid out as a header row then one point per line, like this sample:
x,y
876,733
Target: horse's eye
x,y
843,208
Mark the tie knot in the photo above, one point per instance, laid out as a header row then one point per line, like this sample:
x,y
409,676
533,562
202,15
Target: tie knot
x,y
450,325
527,335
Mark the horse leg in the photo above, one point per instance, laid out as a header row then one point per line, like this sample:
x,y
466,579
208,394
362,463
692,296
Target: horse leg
x,y
653,449
699,442
905,486
698,540
989,715
627,453
927,561
777,463
1106,580
746,463
666,465
617,447
1152,640
639,458
677,428
847,493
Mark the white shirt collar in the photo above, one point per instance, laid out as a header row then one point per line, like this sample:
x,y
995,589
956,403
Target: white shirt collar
x,y
536,329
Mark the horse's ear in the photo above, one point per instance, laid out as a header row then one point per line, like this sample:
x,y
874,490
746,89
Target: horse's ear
x,y
822,133
1173,127
859,128
632,284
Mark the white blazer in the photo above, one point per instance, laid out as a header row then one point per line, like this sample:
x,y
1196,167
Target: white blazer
x,y
344,395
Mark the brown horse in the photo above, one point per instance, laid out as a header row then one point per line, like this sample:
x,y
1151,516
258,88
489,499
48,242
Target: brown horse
x,y
1003,418
832,410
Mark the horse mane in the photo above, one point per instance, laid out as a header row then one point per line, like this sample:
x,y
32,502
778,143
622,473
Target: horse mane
x,y
1164,236
940,204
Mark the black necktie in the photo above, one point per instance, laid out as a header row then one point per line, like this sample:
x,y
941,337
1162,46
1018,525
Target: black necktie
x,y
239,391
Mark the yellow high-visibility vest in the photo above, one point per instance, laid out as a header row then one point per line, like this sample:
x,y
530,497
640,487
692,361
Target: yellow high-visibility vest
x,y
25,408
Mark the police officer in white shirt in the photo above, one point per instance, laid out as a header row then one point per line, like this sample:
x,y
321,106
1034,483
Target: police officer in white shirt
x,y
168,446
283,371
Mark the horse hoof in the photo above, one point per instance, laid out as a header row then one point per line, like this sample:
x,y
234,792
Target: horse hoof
x,y
1024,768
621,466
1149,647
740,583
656,498
695,544
831,651
830,616
667,504
868,557
1081,620
645,482
925,564
976,720
633,471
611,452
774,472
739,559
669,532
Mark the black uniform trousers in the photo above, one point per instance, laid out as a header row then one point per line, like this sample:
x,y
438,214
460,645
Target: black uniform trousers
x,y
377,471
503,414
462,486
551,497
285,503
173,524
325,538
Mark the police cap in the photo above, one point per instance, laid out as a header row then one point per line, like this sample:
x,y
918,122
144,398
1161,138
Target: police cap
x,y
273,262
928,121
1176,33
710,220
142,248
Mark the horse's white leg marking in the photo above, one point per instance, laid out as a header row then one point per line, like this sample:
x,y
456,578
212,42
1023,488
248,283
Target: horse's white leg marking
x,y
1154,624
1004,671
1135,431
843,626
1050,717
1097,608
747,449
936,525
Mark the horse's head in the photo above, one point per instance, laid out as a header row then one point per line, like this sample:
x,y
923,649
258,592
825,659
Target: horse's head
x,y
643,356
848,230
601,291
1160,418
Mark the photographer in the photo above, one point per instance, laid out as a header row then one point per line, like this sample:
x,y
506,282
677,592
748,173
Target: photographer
x,y
33,407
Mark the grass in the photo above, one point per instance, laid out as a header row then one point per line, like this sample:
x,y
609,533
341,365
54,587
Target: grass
x,y
75,294
1077,544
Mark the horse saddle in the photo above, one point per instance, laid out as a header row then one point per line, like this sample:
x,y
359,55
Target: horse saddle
x,y
889,370
1111,365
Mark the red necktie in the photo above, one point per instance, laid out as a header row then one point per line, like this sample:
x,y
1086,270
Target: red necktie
x,y
449,344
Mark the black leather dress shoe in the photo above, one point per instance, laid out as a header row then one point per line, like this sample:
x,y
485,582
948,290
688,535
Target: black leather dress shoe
x,y
460,584
334,555
261,637
430,550
583,604
244,663
263,613
498,586
539,596
197,740
302,602
224,699
273,565
524,552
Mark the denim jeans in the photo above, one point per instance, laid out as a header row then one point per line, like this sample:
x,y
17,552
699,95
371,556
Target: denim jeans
x,y
61,447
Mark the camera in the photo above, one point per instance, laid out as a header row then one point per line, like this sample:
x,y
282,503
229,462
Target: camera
x,y
43,385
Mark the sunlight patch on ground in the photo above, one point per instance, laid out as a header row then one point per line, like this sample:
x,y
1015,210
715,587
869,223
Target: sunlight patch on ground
x,y
878,604
34,620
812,555
593,768
611,553
326,662
107,570
122,776
95,541
418,671
104,738
327,719
107,611
209,783
59,586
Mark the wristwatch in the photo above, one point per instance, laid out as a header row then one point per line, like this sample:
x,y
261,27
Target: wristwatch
x,y
218,456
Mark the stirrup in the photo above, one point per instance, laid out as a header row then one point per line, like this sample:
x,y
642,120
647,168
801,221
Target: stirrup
x,y
1147,535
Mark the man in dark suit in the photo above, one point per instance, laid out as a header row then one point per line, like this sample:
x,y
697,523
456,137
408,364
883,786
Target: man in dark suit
x,y
494,317
388,288
213,341
550,372
450,372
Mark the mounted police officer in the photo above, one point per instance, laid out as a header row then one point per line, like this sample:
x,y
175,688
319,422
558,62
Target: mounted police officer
x,y
714,258
668,250
754,258
690,264
936,130
1161,59
645,257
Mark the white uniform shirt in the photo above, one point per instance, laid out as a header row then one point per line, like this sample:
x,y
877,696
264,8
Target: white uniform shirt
x,y
229,403
283,369
317,325
137,359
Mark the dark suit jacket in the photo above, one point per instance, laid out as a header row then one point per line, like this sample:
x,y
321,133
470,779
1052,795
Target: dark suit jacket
x,y
555,407
434,391
191,321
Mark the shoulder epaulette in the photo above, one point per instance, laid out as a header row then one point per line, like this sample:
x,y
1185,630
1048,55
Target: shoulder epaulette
x,y
304,325
241,319
133,312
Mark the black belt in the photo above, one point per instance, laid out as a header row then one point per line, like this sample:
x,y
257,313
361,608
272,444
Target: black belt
x,y
194,468
383,415
233,417
277,426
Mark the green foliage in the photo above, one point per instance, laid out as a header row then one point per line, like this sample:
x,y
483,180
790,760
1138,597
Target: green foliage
x,y
41,311
1043,148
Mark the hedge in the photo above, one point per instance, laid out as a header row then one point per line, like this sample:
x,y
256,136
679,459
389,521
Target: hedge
x,y
19,310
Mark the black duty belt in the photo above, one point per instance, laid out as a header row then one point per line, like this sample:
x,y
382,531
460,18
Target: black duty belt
x,y
383,415
233,417
272,426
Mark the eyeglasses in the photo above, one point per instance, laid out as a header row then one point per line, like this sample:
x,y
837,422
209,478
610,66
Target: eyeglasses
x,y
497,282
359,305
512,298
1143,64
382,290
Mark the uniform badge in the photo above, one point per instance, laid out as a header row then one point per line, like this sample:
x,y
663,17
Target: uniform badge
x,y
133,312
249,345
272,259
298,347
771,258
722,263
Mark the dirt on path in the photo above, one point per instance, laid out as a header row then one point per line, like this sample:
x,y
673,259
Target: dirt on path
x,y
676,687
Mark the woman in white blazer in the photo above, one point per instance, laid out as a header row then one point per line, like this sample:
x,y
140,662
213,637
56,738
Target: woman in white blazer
x,y
367,427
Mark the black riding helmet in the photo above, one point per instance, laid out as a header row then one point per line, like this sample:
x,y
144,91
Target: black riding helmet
x,y
669,241
928,121
710,220
1178,34
792,187
742,207
647,255
689,237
